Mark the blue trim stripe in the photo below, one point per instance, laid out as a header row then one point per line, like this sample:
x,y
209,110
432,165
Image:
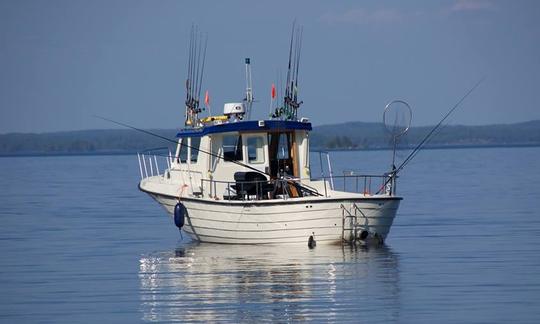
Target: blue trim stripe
x,y
245,126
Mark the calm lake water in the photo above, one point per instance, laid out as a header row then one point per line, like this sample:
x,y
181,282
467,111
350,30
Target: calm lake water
x,y
80,243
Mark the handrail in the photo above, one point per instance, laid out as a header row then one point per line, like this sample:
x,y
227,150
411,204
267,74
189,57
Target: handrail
x,y
149,165
369,181
232,189
258,189
367,184
354,226
329,166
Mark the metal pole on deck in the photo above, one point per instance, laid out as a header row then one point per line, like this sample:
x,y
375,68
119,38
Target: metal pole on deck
x,y
140,166
155,161
249,88
144,164
320,161
330,171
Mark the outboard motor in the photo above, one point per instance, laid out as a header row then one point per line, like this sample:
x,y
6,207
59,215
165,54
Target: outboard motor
x,y
179,215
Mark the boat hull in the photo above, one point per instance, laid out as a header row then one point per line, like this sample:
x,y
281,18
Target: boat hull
x,y
328,220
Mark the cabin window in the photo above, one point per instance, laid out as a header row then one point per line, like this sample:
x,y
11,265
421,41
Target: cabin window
x,y
280,154
284,146
232,148
195,144
255,148
182,155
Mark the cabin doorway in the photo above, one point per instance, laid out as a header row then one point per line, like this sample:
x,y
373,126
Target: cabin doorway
x,y
282,154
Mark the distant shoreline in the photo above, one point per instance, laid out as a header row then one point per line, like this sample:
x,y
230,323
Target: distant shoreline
x,y
434,147
349,136
437,147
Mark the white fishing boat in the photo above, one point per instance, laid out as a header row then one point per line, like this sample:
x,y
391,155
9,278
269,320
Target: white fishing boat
x,y
241,181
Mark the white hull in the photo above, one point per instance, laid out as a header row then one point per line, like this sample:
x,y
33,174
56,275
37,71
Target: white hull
x,y
283,221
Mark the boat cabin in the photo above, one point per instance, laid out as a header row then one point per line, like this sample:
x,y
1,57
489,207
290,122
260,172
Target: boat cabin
x,y
276,148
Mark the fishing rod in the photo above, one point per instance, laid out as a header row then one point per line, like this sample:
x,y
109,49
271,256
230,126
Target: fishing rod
x,y
297,104
392,175
199,150
188,81
287,99
176,142
193,67
202,69
195,72
198,60
191,82
429,135
290,100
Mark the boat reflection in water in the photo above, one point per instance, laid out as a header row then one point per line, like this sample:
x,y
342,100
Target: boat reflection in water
x,y
212,282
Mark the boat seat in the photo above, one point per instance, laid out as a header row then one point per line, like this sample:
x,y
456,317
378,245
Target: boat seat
x,y
251,184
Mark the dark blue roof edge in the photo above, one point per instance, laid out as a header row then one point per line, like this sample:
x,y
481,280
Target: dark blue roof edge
x,y
245,126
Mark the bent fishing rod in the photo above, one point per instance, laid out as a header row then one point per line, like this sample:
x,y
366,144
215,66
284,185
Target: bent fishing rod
x,y
197,149
426,139
430,134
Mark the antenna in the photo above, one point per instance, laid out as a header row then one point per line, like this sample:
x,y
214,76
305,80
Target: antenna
x,y
249,88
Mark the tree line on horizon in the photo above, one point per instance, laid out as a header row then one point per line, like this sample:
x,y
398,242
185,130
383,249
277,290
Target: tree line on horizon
x,y
346,136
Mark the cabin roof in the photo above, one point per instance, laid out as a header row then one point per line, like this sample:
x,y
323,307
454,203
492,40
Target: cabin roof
x,y
245,126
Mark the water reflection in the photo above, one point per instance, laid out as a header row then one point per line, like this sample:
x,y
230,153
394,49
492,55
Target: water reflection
x,y
212,282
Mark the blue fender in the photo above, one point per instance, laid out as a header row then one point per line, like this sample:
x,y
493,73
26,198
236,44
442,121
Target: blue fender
x,y
179,215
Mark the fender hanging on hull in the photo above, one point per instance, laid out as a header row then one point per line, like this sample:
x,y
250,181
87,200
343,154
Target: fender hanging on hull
x,y
179,215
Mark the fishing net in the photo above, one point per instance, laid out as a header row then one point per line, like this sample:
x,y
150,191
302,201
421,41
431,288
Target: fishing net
x,y
397,118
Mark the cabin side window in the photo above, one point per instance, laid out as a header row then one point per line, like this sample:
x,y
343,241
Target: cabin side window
x,y
195,144
232,148
255,150
182,155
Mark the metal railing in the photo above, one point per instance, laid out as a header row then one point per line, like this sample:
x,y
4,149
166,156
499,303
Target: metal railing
x,y
294,187
256,190
352,181
366,184
153,164
149,165
329,167
385,183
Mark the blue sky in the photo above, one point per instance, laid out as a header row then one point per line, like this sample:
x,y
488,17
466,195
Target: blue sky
x,y
61,62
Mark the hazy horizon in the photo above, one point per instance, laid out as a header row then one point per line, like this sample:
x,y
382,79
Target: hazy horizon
x,y
114,127
62,62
